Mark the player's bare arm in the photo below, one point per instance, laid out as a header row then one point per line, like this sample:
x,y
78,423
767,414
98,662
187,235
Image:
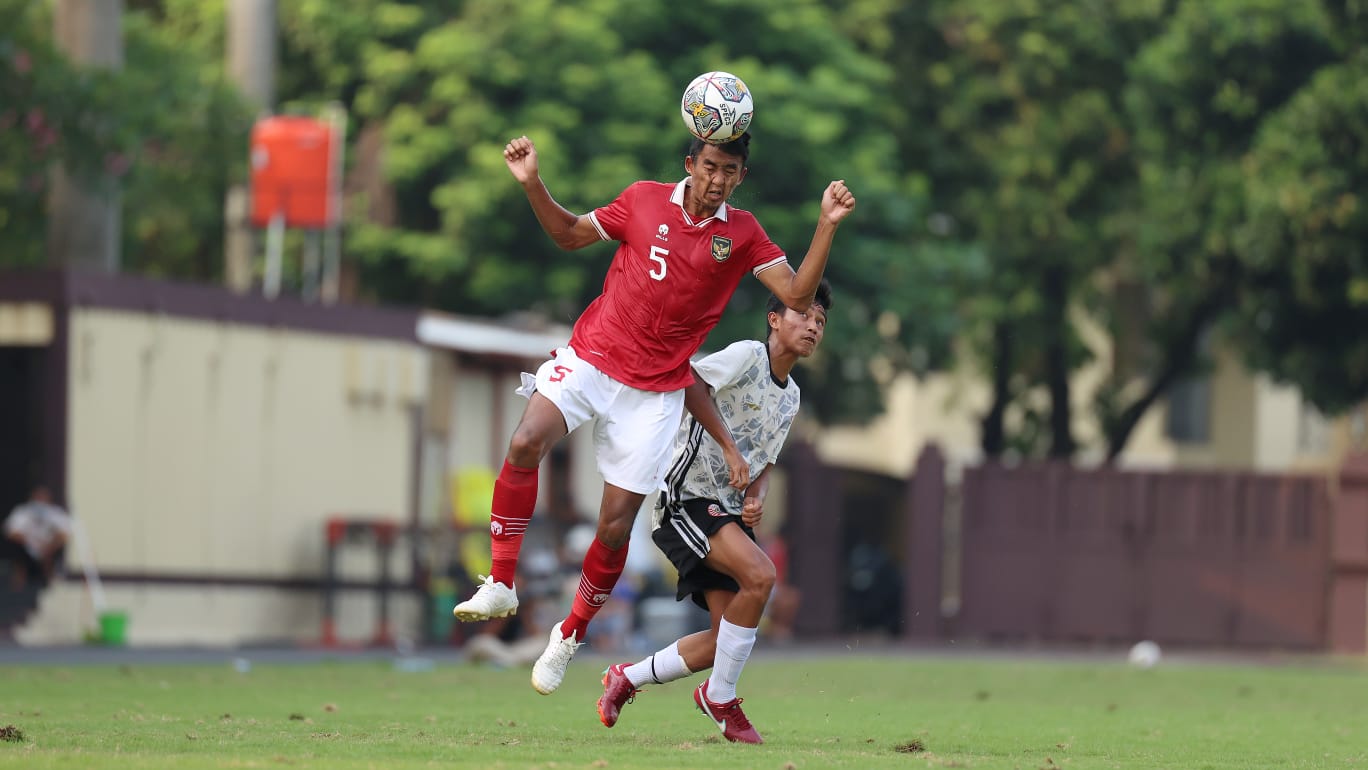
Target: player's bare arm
x,y
796,289
568,229
753,509
699,401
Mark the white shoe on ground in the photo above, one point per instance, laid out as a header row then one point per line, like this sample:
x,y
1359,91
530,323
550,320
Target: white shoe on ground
x,y
549,669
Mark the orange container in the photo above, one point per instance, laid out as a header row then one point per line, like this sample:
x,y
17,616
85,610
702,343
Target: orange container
x,y
291,161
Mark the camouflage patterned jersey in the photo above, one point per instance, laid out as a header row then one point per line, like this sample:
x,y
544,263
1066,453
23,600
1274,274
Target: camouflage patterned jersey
x,y
759,412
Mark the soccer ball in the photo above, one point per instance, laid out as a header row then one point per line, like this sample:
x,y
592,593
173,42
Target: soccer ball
x,y
717,107
1145,654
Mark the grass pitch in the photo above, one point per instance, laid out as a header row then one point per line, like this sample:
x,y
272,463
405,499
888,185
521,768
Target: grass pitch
x,y
823,711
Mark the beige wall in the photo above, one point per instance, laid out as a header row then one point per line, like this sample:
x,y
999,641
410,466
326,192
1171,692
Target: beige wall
x,y
26,323
943,408
1234,408
477,412
203,448
478,437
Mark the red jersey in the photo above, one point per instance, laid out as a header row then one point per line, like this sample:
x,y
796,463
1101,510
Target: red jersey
x,y
669,282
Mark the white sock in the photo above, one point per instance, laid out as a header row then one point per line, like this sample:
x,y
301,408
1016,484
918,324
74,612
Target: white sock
x,y
666,665
734,645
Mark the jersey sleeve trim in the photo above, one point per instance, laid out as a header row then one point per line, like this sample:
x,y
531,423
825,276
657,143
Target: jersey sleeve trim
x,y
779,260
593,220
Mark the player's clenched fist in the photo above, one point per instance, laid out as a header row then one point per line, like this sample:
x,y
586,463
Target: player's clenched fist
x,y
837,202
521,158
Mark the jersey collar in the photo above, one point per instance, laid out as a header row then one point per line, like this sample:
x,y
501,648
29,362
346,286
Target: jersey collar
x,y
677,198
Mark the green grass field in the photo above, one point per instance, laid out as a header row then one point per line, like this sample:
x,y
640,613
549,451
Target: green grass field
x,y
824,711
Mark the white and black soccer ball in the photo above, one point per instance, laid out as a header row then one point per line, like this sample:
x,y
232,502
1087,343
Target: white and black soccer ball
x,y
717,107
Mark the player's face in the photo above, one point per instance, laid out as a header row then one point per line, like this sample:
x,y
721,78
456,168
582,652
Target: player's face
x,y
713,175
801,332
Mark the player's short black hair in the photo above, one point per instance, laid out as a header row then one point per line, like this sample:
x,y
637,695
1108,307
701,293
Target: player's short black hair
x,y
776,305
740,147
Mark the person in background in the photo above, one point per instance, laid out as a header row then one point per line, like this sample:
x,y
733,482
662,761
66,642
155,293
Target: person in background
x,y
36,532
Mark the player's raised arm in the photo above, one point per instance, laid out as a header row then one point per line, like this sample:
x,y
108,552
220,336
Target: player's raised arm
x,y
796,289
568,229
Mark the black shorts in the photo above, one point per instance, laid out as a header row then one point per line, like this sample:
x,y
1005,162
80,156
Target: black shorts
x,y
684,534
22,559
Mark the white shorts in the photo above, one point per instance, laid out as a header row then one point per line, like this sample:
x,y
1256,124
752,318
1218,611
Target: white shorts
x,y
634,429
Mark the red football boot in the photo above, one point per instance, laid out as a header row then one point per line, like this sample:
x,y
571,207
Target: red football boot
x,y
617,692
728,717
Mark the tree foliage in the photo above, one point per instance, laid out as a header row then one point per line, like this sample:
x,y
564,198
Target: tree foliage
x,y
597,87
1305,241
49,113
1196,95
166,129
1168,168
1030,156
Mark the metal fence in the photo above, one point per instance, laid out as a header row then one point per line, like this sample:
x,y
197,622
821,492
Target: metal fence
x,y
1221,559
1052,552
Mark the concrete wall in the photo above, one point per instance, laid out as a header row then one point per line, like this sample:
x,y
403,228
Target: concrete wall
x,y
200,449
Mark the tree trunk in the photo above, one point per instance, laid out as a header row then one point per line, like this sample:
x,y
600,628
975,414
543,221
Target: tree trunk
x,y
85,215
994,435
1057,371
1179,357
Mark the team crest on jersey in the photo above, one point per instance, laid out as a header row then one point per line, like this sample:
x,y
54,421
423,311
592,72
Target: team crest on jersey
x,y
721,248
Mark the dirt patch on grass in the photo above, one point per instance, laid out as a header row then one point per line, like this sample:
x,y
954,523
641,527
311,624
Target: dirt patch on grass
x,y
914,746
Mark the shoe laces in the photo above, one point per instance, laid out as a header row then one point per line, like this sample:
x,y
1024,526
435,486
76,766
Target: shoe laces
x,y
735,715
487,583
565,649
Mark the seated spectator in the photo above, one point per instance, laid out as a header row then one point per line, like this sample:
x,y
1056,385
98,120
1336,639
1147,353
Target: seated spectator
x,y
36,534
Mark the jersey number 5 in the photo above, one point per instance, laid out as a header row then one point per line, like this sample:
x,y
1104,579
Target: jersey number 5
x,y
658,256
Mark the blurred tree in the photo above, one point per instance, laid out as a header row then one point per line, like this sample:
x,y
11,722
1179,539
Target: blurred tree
x,y
187,130
1166,167
597,87
49,112
1094,153
1304,242
1197,96
167,125
1028,153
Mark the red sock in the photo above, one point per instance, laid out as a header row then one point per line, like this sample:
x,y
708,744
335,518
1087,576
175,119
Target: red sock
x,y
602,568
515,495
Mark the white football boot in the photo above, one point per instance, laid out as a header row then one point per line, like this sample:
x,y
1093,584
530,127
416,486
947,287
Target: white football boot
x,y
550,667
491,600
